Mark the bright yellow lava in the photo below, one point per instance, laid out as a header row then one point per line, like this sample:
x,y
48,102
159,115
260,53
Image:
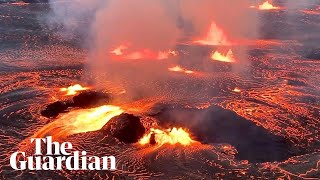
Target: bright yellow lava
x,y
267,6
236,90
72,90
80,121
93,119
169,136
180,69
217,56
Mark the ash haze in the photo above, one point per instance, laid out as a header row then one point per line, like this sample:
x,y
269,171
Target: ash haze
x,y
152,26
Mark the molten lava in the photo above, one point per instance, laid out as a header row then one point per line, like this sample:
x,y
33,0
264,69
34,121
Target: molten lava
x,y
215,36
267,6
119,50
225,58
72,90
180,69
312,12
80,121
20,3
123,52
236,90
169,136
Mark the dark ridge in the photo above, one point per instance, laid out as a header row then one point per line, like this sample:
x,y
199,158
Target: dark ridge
x,y
86,99
54,109
90,99
295,83
311,53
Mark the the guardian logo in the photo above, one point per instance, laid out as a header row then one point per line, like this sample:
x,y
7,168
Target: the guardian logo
x,y
62,157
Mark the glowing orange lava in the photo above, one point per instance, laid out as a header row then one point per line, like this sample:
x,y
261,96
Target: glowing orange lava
x,y
20,3
225,58
236,90
123,52
215,36
267,6
119,50
180,69
72,90
169,136
311,12
80,121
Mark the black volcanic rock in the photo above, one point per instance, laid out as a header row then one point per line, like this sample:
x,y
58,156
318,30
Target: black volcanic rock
x,y
53,110
126,128
153,139
90,99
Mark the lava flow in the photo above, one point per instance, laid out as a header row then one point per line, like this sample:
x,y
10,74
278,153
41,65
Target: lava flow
x,y
122,52
20,3
315,11
215,36
73,90
169,136
225,58
180,69
80,121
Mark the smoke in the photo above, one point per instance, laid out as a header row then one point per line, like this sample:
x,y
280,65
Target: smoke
x,y
233,17
143,23
72,19
148,26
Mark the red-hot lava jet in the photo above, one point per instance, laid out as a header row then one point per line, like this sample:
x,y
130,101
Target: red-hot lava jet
x,y
214,36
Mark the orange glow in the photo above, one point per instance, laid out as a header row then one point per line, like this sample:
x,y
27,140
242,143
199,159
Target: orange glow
x,y
236,90
80,121
20,3
123,52
119,50
180,69
312,12
166,54
215,36
72,90
267,6
225,58
169,136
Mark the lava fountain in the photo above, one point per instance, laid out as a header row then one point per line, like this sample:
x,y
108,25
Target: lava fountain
x,y
169,136
215,36
267,6
217,56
